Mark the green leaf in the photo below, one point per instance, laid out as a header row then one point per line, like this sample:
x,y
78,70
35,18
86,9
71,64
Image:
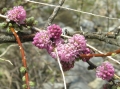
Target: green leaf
x,y
3,24
113,54
30,21
24,86
114,87
28,27
23,78
118,87
35,22
22,69
10,24
4,10
8,30
32,83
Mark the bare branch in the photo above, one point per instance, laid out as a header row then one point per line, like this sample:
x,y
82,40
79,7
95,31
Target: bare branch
x,y
23,56
61,68
70,9
109,57
3,16
26,37
11,39
55,12
6,50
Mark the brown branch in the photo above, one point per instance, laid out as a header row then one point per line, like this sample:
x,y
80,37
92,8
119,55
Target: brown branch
x,y
9,38
28,36
56,10
23,56
99,36
99,55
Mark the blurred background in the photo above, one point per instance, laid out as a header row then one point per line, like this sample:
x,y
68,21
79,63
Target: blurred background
x,y
43,69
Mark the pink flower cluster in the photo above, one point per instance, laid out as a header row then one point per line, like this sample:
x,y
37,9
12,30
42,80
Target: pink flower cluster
x,y
78,41
41,40
105,71
54,31
17,14
67,54
67,51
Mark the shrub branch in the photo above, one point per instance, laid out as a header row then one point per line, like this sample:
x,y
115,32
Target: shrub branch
x,y
23,56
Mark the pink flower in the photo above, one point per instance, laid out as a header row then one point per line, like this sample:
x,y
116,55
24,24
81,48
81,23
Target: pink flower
x,y
56,43
54,31
67,66
42,40
59,41
105,71
78,41
17,14
67,52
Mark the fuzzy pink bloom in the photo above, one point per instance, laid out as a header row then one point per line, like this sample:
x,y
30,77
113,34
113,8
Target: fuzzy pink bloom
x,y
59,41
78,41
54,31
50,48
67,52
17,14
67,66
105,71
41,40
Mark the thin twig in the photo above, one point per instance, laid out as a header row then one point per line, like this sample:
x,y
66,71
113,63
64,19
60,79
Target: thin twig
x,y
6,60
80,14
23,56
7,50
54,14
26,36
109,57
102,37
117,76
9,38
5,53
3,16
61,68
70,9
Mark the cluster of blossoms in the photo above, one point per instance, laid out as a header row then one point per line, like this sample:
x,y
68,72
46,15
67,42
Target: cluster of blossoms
x,y
79,43
17,14
41,40
51,38
105,71
54,31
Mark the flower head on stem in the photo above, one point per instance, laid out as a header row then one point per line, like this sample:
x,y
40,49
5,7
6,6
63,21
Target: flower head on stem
x,y
17,14
105,71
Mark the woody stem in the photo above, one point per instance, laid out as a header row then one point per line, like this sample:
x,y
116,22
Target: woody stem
x,y
23,56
